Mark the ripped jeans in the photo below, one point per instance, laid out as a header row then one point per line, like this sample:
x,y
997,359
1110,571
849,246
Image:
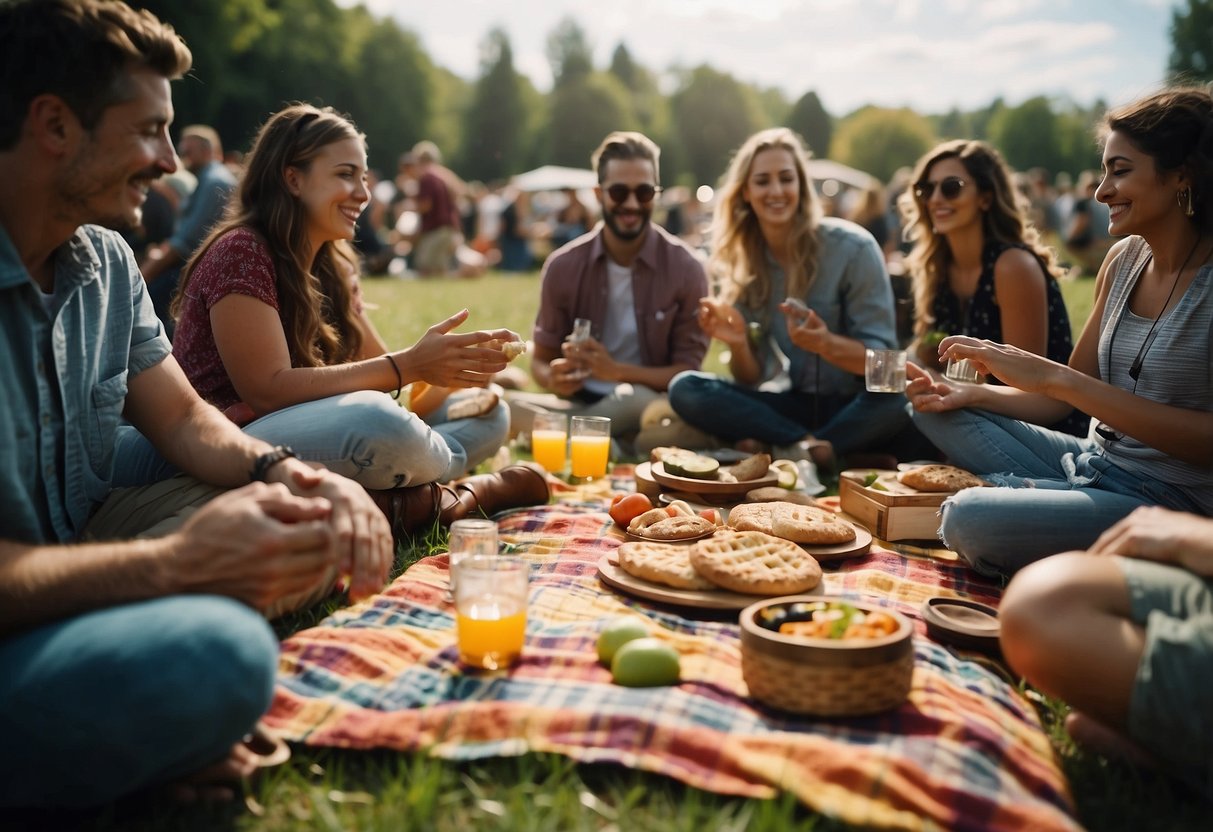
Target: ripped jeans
x,y
1059,492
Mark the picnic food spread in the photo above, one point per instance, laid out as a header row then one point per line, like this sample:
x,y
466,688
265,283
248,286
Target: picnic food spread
x,y
755,563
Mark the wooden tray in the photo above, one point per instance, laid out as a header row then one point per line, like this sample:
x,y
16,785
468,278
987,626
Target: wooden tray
x,y
711,488
710,599
897,513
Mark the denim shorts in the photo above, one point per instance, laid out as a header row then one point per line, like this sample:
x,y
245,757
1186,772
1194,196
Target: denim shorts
x,y
1173,692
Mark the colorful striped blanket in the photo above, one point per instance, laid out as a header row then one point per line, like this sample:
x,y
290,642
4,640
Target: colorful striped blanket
x,y
966,752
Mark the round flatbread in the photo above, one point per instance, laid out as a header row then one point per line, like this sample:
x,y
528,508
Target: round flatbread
x,y
939,478
794,522
661,563
657,523
755,563
775,494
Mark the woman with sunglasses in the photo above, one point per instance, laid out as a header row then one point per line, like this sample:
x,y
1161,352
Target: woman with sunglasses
x,y
978,267
798,285
272,329
1140,368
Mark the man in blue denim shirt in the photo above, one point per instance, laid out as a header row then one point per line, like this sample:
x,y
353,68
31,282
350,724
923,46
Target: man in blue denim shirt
x,y
127,663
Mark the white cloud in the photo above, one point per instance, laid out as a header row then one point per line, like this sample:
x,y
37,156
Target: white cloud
x,y
929,55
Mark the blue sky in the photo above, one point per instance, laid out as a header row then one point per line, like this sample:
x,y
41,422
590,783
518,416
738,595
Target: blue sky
x,y
927,54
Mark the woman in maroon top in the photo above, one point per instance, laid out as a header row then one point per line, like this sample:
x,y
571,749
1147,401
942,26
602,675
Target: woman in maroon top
x,y
272,330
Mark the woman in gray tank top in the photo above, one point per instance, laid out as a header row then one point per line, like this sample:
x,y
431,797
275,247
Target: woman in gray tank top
x,y
1141,367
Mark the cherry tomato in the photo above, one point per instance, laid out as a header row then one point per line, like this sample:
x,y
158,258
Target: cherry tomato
x,y
629,506
711,515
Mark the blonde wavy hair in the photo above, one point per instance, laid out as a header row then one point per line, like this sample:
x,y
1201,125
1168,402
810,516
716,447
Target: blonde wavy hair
x,y
1006,220
739,252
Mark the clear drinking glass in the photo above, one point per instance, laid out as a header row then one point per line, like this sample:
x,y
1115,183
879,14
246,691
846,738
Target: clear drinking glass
x,y
490,610
471,536
884,371
590,446
550,441
961,370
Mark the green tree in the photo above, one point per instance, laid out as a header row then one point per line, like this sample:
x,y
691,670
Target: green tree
x,y
879,141
809,118
495,123
773,104
954,125
1029,135
650,107
713,113
583,111
1192,41
386,63
569,53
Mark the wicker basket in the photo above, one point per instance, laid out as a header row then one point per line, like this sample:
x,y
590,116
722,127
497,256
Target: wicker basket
x,y
821,676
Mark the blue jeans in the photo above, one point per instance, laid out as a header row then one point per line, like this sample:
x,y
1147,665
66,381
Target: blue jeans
x,y
366,436
726,409
97,706
1059,493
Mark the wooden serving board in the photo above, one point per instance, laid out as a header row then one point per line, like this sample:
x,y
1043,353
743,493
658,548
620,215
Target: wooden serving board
x,y
710,599
711,488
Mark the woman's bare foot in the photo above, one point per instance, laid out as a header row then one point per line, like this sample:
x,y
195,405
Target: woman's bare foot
x,y
1093,735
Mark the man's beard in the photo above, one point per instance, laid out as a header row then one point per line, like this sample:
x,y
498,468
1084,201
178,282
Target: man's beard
x,y
609,218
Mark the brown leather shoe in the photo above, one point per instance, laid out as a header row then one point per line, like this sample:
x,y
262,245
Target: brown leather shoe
x,y
413,508
417,507
514,486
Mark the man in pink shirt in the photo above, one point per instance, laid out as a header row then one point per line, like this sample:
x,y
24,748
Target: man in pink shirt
x,y
638,286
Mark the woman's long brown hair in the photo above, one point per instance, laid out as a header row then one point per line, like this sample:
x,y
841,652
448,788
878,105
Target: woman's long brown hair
x,y
314,300
1006,221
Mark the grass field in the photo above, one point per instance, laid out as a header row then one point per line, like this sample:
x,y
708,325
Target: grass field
x,y
339,790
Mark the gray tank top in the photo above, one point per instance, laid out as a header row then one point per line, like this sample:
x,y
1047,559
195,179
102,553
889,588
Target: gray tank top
x,y
1177,368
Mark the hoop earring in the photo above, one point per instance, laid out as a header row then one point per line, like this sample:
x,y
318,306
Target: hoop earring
x,y
1184,199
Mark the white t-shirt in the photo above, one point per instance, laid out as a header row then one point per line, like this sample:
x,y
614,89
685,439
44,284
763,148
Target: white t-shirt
x,y
620,337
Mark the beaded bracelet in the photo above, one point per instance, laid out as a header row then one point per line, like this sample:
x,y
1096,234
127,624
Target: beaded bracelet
x,y
399,378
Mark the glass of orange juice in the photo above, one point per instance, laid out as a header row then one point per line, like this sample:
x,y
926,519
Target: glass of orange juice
x,y
490,610
549,440
590,446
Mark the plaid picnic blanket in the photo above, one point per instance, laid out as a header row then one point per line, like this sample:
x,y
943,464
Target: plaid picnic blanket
x,y
966,752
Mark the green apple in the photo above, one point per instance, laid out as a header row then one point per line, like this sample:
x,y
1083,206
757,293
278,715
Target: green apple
x,y
646,663
617,633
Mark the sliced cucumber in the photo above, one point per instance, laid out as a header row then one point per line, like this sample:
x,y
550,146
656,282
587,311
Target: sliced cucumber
x,y
694,467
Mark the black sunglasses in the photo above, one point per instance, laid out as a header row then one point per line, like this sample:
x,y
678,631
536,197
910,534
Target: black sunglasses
x,y
644,193
949,188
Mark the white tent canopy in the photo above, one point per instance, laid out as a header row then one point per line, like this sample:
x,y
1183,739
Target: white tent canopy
x,y
824,169
554,178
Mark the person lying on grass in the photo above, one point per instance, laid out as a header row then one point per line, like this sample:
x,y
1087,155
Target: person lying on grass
x,y
1123,632
127,663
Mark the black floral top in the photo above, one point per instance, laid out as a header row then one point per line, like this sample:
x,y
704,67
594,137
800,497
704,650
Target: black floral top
x,y
983,319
